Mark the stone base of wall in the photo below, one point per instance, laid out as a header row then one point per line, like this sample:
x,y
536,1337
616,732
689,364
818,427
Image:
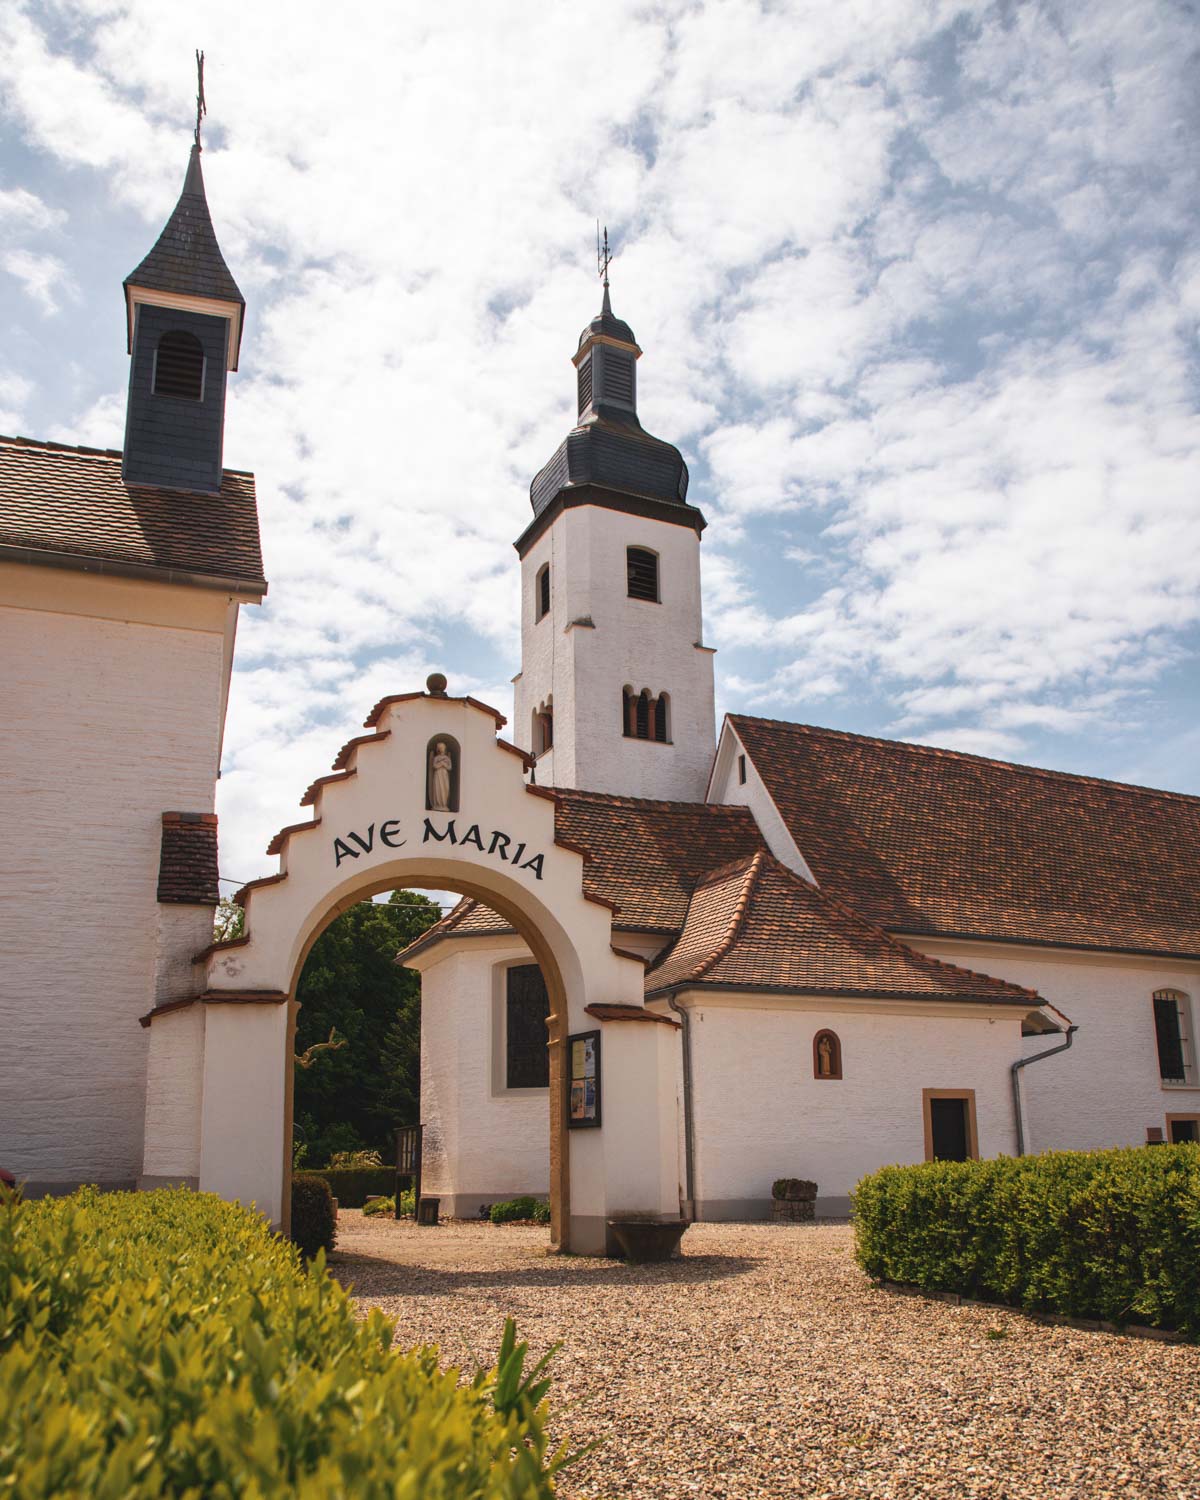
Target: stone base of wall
x,y
756,1210
792,1210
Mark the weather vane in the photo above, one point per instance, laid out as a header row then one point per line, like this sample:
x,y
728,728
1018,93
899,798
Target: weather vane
x,y
201,107
603,258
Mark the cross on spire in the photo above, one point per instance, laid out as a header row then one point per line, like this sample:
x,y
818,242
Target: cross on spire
x,y
201,107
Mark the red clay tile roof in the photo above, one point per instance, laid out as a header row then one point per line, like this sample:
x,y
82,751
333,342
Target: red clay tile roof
x,y
921,840
468,918
646,857
643,857
73,502
187,865
757,924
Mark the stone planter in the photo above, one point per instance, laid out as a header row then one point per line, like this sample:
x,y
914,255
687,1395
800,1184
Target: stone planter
x,y
648,1239
792,1210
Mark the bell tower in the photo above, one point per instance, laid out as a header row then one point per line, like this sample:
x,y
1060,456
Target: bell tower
x,y
615,692
184,316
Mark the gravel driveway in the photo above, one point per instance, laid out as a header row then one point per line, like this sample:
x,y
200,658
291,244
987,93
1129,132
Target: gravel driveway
x,y
764,1363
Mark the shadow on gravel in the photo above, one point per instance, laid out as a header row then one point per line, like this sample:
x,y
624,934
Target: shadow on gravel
x,y
387,1277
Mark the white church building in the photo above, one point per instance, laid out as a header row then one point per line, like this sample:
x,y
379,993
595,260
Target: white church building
x,y
687,962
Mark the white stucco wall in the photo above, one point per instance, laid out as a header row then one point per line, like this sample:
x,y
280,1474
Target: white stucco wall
x,y
483,1141
112,694
631,642
1106,1091
760,1114
726,787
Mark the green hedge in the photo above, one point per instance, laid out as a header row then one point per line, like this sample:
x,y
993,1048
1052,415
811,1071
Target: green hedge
x,y
167,1344
512,1210
352,1186
313,1226
1088,1234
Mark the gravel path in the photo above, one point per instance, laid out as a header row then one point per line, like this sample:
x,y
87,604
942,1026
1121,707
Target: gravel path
x,y
764,1363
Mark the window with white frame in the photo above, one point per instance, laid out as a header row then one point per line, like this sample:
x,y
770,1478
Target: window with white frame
x,y
1174,1036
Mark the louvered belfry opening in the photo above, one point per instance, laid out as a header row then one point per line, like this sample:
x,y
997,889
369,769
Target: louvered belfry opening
x,y
585,385
179,367
618,377
642,571
644,717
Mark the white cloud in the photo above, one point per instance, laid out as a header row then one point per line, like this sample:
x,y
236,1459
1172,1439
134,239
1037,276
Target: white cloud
x,y
43,277
915,282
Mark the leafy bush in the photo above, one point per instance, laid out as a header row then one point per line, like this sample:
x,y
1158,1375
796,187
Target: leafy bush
x,y
352,1186
520,1208
1089,1234
167,1344
313,1225
387,1206
793,1189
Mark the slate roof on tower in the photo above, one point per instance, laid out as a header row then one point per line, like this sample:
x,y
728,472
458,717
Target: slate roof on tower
x,y
186,258
756,925
927,841
70,507
608,448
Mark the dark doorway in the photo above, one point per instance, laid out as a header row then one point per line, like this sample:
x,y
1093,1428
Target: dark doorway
x,y
949,1128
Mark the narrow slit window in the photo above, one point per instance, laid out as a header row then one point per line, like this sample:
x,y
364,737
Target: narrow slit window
x,y
661,727
642,572
179,367
542,591
741,770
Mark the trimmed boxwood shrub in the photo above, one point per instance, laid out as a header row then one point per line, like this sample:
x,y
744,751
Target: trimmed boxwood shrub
x,y
1088,1234
520,1208
352,1186
313,1224
167,1344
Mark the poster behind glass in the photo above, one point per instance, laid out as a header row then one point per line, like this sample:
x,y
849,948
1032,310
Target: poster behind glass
x,y
583,1080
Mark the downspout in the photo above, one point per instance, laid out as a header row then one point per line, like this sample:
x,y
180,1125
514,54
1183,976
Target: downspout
x,y
689,1159
1024,1062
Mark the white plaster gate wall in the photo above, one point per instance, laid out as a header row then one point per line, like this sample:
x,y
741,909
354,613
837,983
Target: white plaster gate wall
x,y
370,832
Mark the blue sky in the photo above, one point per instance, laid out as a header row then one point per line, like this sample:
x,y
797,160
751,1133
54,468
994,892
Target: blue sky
x,y
918,286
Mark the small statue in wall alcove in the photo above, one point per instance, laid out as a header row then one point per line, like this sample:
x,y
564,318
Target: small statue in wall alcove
x,y
441,779
827,1056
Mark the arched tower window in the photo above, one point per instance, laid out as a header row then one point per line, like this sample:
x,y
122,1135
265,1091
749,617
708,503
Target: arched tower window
x,y
827,1055
179,367
543,727
542,592
641,566
662,728
645,717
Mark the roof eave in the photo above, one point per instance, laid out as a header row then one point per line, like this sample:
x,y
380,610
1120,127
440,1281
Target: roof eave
x,y
249,590
1024,1002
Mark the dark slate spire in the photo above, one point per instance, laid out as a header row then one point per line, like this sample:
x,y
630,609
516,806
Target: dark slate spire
x,y
609,448
185,316
186,260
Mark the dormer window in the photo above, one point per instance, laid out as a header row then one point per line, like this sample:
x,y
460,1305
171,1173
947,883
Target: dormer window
x,y
542,592
641,567
179,367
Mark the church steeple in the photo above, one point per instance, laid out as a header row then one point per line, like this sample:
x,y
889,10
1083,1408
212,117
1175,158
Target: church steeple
x,y
608,449
184,316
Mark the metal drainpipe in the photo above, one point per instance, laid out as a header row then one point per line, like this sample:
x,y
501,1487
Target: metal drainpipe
x,y
689,1160
1024,1062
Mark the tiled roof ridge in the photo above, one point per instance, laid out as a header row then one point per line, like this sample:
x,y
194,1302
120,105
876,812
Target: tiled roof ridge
x,y
924,960
81,450
910,746
442,926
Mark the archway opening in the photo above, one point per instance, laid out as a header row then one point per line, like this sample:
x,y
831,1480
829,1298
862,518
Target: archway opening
x,y
416,884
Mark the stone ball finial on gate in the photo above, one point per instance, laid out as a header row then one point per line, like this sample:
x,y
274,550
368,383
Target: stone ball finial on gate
x,y
435,683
